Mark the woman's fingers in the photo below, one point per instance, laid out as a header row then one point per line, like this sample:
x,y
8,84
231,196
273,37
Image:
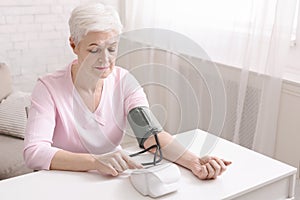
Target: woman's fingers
x,y
109,169
221,164
217,168
130,162
203,173
200,171
211,171
227,162
116,163
214,166
122,162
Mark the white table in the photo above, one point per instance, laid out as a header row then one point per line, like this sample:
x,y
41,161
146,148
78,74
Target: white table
x,y
252,176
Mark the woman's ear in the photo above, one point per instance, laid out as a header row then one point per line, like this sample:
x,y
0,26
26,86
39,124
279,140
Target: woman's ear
x,y
72,44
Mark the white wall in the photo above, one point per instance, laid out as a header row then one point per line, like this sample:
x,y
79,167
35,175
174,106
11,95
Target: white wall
x,y
34,37
288,129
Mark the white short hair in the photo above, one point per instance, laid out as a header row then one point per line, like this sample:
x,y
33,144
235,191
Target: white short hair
x,y
93,17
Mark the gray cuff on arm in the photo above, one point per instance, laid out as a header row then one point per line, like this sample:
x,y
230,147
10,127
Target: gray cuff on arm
x,y
143,123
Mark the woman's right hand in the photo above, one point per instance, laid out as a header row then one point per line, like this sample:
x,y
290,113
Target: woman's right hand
x,y
114,163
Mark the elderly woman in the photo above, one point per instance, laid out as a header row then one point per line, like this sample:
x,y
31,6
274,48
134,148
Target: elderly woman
x,y
78,115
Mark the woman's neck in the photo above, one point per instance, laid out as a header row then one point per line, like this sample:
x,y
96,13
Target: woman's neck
x,y
89,89
83,82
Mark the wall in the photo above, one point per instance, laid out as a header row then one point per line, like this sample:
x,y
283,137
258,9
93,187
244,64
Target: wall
x,y
34,37
288,130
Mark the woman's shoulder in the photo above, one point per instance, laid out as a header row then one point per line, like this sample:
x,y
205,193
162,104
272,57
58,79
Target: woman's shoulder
x,y
119,73
60,76
54,76
58,80
125,77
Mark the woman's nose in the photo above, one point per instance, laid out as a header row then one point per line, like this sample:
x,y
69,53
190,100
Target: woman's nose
x,y
103,58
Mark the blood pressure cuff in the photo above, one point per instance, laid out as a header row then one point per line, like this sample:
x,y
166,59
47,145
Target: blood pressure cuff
x,y
143,123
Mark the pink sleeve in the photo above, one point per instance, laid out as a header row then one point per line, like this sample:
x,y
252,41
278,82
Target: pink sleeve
x,y
38,151
134,93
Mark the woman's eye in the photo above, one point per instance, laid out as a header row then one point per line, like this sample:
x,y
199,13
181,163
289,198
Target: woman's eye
x,y
94,50
112,49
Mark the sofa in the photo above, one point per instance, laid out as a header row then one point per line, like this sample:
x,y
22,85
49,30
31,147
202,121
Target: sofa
x,y
12,125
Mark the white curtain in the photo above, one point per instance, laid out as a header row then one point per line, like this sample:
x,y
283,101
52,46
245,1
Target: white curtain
x,y
246,41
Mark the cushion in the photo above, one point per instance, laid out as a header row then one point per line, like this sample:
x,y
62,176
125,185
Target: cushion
x,y
6,81
11,156
13,116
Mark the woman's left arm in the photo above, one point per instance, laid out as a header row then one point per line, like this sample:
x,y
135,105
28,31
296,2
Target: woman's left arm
x,y
207,167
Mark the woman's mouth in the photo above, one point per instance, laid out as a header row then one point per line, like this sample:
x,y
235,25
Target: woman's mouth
x,y
101,68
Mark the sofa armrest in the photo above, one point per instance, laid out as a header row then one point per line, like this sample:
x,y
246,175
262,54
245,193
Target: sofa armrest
x,y
6,81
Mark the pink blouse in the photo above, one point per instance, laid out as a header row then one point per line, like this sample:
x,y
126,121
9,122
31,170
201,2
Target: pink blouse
x,y
59,119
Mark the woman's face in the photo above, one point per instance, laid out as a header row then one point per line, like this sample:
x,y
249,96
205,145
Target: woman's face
x,y
97,53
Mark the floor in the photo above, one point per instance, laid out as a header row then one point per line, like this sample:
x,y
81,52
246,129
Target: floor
x,y
297,190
